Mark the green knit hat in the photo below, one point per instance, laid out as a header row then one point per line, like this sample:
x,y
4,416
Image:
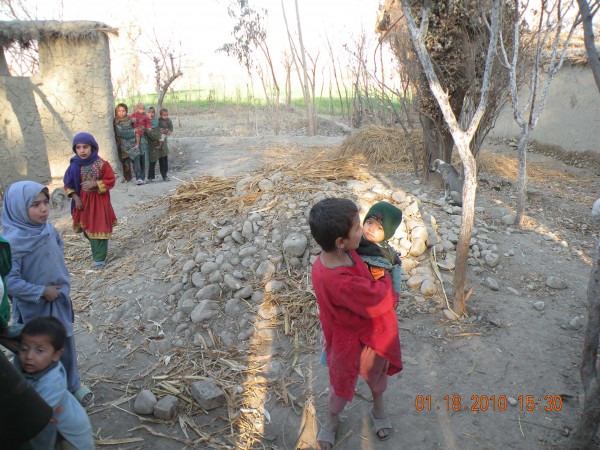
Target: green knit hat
x,y
387,215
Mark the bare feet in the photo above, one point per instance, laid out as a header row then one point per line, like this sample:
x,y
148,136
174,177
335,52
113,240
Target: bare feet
x,y
326,436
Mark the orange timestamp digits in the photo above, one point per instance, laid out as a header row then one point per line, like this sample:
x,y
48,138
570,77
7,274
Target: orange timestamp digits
x,y
489,403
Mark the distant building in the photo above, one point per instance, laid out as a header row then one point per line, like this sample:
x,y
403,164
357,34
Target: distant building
x,y
571,116
72,92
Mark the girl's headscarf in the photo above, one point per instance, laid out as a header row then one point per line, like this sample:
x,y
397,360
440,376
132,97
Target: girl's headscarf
x,y
23,235
72,177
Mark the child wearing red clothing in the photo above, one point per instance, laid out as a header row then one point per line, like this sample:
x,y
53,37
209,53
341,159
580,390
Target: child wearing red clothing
x,y
88,181
357,314
141,123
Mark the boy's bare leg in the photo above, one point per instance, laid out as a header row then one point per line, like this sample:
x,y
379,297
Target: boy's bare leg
x,y
137,140
331,424
379,413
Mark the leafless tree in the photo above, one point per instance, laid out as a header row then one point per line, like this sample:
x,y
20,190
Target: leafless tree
x,y
250,35
167,66
548,39
19,58
462,137
299,54
583,434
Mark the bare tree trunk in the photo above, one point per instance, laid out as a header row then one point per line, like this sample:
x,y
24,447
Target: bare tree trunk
x,y
522,171
585,431
312,129
588,36
583,434
462,138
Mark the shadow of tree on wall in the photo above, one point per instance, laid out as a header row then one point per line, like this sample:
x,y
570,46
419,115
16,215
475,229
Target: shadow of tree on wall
x,y
31,160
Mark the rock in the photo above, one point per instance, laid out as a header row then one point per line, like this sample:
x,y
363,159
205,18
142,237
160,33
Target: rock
x,y
428,288
274,286
249,250
492,284
188,266
491,259
295,244
175,288
232,282
418,248
556,283
539,305
447,264
232,307
512,401
576,323
247,230
513,291
265,185
449,314
215,277
225,231
415,281
205,310
265,270
166,407
245,292
212,291
412,209
207,394
509,219
186,306
144,402
237,237
197,279
201,257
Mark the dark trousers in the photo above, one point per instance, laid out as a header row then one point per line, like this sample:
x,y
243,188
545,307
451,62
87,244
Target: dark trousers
x,y
163,165
139,167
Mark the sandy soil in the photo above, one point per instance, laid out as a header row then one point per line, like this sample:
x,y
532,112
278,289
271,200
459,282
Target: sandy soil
x,y
507,348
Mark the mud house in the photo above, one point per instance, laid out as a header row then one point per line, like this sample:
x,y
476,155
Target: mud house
x,y
571,117
71,92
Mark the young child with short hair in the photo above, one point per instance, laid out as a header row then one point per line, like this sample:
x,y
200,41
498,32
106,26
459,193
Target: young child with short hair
x,y
141,122
88,182
42,345
357,314
39,282
166,126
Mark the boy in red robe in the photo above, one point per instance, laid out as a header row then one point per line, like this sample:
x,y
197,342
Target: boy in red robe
x,y
88,181
357,314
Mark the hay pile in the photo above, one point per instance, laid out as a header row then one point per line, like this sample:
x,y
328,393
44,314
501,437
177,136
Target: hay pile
x,y
383,145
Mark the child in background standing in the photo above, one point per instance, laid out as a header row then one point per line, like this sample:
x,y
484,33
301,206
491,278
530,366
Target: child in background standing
x,y
157,152
129,154
42,344
38,282
141,122
357,314
88,181
166,126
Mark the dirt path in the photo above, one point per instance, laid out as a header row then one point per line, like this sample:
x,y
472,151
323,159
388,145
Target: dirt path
x,y
510,347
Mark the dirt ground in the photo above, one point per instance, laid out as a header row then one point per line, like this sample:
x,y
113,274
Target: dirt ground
x,y
507,348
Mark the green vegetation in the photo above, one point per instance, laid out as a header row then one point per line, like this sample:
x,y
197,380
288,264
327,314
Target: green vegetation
x,y
197,100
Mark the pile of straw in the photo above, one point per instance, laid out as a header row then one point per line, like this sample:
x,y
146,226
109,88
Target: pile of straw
x,y
382,145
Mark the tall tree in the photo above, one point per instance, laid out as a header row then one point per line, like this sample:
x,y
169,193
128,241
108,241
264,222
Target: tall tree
x,y
548,39
457,37
250,36
299,54
585,431
462,137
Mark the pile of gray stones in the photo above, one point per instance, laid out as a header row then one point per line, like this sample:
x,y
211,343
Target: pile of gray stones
x,y
213,292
